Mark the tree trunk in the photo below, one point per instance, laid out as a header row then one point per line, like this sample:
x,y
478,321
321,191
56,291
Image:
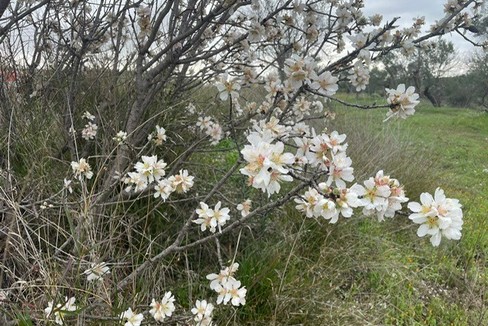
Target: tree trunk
x,y
432,98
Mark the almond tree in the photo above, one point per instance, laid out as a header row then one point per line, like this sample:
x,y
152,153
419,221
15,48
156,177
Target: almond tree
x,y
115,80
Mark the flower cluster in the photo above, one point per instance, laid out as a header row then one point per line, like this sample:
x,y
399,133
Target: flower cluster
x,y
211,128
150,171
60,310
381,196
90,130
228,288
299,71
144,21
438,216
329,203
359,76
267,163
212,218
120,137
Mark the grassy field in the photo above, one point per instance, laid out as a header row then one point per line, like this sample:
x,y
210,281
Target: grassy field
x,y
361,272
301,271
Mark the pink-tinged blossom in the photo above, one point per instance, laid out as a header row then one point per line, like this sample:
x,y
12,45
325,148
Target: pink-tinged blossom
x,y
181,182
318,150
299,71
215,132
204,123
266,163
336,142
164,308
90,131
244,207
340,170
303,146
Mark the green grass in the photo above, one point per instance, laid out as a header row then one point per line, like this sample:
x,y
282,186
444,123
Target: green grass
x,y
362,272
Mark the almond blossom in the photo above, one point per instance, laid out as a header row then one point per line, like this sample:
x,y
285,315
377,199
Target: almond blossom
x,y
228,288
346,201
90,131
308,201
299,71
120,137
206,218
438,216
374,198
181,182
164,188
227,87
202,312
87,115
151,168
325,84
159,136
244,207
340,170
402,102
82,168
97,271
132,319
359,76
60,310
164,308
212,218
266,163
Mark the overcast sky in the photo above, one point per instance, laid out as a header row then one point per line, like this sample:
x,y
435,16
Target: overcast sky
x,y
408,9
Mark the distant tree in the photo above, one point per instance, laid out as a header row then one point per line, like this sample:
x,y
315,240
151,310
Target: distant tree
x,y
478,73
424,67
378,81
